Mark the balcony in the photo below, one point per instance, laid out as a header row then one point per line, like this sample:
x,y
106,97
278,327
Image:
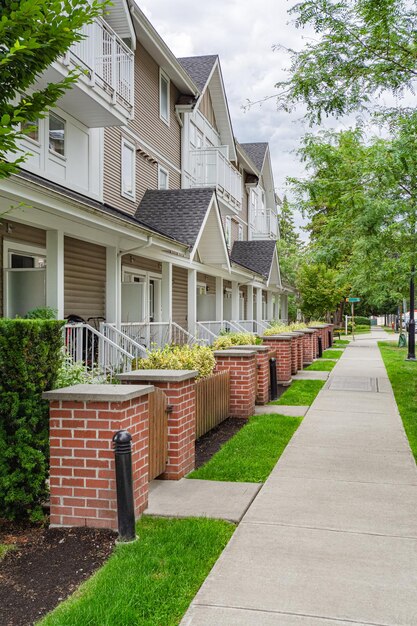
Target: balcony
x,y
103,94
210,168
265,224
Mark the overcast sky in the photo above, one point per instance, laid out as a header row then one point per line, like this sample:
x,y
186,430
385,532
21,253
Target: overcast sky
x,y
242,33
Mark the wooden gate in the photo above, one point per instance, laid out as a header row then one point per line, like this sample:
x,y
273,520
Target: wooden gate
x,y
158,433
212,401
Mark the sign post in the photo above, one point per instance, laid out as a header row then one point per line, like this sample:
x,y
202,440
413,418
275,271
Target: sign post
x,y
352,302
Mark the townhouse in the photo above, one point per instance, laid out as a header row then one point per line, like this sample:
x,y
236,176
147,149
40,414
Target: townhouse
x,y
137,210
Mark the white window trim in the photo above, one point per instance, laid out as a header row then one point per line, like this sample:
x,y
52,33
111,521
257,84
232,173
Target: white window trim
x,y
162,170
10,247
163,75
126,194
228,230
62,157
240,232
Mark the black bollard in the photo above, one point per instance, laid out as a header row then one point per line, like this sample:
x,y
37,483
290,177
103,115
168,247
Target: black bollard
x,y
320,343
330,338
122,442
273,378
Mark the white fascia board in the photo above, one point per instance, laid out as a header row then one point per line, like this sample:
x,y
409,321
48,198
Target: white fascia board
x,y
275,261
213,206
158,49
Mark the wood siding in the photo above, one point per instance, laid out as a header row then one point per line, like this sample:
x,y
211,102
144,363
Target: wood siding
x,y
20,234
84,278
209,280
180,296
206,109
140,263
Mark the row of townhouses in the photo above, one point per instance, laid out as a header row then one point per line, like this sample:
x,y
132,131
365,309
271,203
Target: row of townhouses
x,y
137,207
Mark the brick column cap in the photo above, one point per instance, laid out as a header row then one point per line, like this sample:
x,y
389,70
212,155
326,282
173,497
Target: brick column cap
x,y
280,337
250,347
235,352
318,327
309,331
98,393
300,333
158,376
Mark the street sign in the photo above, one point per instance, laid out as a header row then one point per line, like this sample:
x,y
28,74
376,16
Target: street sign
x,y
353,299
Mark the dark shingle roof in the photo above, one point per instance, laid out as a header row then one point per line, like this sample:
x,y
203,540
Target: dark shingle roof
x,y
256,152
175,213
199,68
256,256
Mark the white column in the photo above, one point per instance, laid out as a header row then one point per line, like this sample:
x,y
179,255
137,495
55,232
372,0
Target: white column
x,y
219,298
258,312
270,305
235,300
249,303
166,291
284,308
55,271
192,301
113,286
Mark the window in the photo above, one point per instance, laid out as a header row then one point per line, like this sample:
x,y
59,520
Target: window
x,y
163,178
164,97
56,134
31,130
128,169
228,230
240,232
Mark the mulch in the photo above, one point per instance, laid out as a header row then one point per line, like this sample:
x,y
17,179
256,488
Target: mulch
x,y
45,567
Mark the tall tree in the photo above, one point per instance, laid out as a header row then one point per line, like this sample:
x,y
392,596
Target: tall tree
x,y
33,34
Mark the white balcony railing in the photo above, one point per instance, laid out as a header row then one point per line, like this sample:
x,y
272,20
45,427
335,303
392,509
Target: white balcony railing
x,y
265,224
154,335
107,61
210,168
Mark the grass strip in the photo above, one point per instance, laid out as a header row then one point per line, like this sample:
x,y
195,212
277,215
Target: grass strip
x,y
301,393
332,354
321,365
403,378
253,452
340,343
150,582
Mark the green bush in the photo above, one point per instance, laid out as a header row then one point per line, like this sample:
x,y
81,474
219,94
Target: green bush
x,y
42,313
228,340
186,357
30,357
362,321
75,373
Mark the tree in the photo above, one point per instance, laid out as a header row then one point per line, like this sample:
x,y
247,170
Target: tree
x,y
363,48
33,34
290,247
319,290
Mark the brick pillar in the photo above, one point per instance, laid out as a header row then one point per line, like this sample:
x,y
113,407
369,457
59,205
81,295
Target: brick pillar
x,y
281,344
294,353
242,367
321,332
309,346
179,387
330,329
300,349
263,383
83,420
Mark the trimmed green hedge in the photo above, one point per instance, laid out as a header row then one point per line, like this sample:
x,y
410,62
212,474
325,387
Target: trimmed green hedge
x,y
30,357
362,321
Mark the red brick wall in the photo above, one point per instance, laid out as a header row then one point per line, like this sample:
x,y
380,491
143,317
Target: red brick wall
x,y
300,352
294,355
309,348
263,377
282,348
82,472
242,382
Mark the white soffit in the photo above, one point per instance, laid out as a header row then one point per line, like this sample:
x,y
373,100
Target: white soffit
x,y
211,244
118,16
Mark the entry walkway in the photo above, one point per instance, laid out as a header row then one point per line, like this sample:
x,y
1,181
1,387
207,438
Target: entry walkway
x,y
331,538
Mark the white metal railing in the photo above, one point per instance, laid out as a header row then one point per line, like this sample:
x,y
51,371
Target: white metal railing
x,y
209,331
252,326
157,334
86,345
210,168
107,59
124,341
204,334
265,223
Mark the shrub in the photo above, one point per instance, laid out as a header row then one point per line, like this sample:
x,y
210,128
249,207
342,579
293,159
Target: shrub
x,y
362,321
228,340
72,373
30,357
42,313
186,357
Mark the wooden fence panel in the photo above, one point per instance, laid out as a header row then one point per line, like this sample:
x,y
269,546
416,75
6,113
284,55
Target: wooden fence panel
x,y
158,433
212,401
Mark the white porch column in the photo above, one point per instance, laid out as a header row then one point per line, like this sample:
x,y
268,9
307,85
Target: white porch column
x,y
235,300
249,303
192,301
55,271
284,308
258,312
113,286
269,305
166,291
219,298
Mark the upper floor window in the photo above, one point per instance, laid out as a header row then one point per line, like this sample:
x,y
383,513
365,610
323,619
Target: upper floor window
x,y
56,134
31,130
228,230
164,97
240,232
128,169
163,178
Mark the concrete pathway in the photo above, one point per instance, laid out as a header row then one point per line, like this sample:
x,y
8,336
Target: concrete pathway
x,y
281,409
311,375
331,538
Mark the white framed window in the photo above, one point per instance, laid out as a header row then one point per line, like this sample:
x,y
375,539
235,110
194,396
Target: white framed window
x,y
240,232
56,134
163,178
24,286
228,230
164,86
31,130
128,169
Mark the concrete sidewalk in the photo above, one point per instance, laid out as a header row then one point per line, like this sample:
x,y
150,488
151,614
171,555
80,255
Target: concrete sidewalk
x,y
331,538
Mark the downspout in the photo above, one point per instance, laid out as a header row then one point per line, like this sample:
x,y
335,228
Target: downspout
x,y
148,244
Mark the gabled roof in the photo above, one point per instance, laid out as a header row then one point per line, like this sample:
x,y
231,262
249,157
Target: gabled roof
x,y
256,256
199,68
256,152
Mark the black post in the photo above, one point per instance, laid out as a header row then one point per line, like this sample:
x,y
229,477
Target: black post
x,y
330,338
273,378
122,441
412,324
320,343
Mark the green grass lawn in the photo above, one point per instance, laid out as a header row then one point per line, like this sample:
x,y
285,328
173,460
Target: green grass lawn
x,y
321,365
403,377
253,452
388,329
301,393
332,354
150,582
341,343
